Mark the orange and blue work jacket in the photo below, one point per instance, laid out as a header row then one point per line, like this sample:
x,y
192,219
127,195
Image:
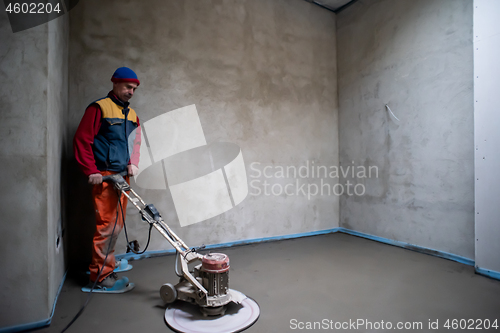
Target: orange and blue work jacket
x,y
108,137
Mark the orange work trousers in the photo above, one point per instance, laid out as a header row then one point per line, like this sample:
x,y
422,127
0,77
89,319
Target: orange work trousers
x,y
105,199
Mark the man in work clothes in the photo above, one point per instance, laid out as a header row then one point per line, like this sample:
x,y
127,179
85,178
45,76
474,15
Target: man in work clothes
x,y
106,142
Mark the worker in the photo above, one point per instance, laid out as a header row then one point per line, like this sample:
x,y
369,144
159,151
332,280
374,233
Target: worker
x,y
106,142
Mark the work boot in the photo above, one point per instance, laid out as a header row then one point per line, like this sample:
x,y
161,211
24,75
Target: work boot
x,y
109,281
111,285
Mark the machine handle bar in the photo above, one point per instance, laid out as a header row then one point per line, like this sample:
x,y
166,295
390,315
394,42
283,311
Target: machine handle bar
x,y
112,177
151,215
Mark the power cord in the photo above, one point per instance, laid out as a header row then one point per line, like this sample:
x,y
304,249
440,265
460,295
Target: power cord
x,y
126,234
98,275
106,257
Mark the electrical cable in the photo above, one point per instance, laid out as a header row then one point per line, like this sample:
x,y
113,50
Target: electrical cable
x,y
106,257
189,251
177,254
166,231
126,235
98,275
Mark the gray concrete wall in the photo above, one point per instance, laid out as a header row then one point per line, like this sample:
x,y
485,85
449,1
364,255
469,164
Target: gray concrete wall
x,y
57,109
33,101
24,167
487,136
262,75
415,56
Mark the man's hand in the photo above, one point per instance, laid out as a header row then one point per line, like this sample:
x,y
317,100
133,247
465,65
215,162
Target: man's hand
x,y
132,170
95,179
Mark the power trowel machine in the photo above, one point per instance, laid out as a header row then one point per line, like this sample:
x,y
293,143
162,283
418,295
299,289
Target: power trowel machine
x,y
206,286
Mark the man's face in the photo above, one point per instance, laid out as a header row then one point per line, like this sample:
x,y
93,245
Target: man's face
x,y
124,90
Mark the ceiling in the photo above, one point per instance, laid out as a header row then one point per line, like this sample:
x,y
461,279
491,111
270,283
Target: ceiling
x,y
333,5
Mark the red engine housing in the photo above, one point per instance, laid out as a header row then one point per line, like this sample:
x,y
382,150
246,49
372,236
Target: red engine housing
x,y
215,263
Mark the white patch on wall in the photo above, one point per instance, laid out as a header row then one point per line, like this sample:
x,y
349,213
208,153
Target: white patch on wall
x,y
237,179
204,180
486,134
174,132
201,198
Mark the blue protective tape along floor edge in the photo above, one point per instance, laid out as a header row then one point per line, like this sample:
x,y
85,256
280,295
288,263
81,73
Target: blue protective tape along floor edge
x,y
37,324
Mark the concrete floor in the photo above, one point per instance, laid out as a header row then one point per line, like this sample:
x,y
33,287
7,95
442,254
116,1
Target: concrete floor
x,y
335,277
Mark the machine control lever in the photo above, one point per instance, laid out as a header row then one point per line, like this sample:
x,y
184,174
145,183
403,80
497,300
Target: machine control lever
x,y
151,210
118,180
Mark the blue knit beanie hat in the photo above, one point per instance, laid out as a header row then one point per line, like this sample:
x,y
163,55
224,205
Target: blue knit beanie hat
x,y
125,74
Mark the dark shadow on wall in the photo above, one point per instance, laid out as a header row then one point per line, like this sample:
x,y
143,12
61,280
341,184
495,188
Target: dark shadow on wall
x,y
78,212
